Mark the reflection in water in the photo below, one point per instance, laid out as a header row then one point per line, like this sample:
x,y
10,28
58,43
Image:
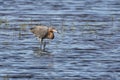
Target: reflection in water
x,y
39,52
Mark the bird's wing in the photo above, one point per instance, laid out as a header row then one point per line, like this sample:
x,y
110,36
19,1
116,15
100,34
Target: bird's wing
x,y
40,31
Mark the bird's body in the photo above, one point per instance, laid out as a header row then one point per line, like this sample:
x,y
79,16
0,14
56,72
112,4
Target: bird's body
x,y
43,32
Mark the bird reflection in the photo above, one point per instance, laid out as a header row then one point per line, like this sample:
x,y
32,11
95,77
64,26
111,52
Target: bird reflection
x,y
39,52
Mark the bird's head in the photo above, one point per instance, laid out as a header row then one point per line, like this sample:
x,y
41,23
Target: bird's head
x,y
51,29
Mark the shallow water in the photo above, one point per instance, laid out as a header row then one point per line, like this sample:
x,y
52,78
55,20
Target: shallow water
x,y
87,49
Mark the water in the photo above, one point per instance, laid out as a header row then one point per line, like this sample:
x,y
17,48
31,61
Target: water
x,y
87,49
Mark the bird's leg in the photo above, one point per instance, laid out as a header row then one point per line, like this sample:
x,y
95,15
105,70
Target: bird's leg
x,y
41,43
44,45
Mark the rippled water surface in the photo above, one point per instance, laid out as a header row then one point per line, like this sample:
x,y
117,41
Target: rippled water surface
x,y
88,47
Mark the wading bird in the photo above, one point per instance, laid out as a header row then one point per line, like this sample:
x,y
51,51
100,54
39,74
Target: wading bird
x,y
43,32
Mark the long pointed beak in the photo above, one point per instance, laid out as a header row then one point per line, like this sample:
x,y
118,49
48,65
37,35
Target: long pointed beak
x,y
56,31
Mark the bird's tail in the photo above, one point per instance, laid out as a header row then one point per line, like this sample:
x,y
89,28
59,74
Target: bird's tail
x,y
32,30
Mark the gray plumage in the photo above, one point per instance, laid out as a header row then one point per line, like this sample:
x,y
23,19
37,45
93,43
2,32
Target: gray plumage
x,y
40,31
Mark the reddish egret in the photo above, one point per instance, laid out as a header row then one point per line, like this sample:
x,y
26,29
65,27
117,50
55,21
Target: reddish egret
x,y
43,32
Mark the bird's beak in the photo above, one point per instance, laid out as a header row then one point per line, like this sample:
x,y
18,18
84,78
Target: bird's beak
x,y
55,31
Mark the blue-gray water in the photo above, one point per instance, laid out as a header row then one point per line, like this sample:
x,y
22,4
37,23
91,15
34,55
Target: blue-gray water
x,y
88,47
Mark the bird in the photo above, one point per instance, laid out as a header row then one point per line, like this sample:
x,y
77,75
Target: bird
x,y
43,32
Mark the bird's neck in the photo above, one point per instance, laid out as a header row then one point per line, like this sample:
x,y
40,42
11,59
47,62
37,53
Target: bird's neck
x,y
50,35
